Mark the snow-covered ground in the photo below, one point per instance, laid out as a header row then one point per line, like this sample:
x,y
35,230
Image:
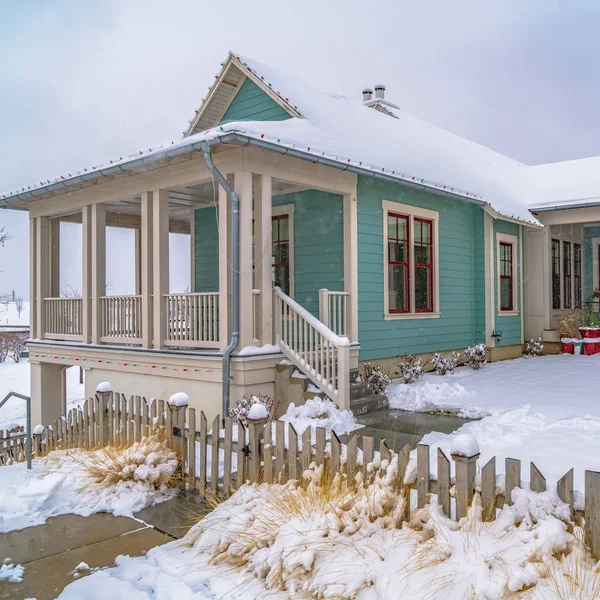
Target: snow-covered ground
x,y
279,542
67,482
541,409
14,377
9,315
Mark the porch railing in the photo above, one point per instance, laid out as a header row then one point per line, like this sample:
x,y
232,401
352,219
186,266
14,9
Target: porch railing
x,y
333,310
64,318
192,320
121,319
315,349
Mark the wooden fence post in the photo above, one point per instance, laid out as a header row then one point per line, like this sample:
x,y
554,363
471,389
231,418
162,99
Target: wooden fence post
x,y
423,474
592,512
255,428
102,418
464,469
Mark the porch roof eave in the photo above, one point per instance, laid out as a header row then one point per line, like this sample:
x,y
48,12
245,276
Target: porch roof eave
x,y
214,139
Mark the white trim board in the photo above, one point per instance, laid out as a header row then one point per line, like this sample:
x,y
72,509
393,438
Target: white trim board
x,y
411,212
514,242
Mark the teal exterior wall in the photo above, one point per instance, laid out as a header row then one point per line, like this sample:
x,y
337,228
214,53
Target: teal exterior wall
x,y
461,277
318,244
510,326
253,104
588,260
206,232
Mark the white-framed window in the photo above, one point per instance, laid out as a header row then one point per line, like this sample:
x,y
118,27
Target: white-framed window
x,y
411,262
282,248
507,276
566,254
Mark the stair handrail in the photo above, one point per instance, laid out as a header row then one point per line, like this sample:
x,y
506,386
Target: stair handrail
x,y
336,340
332,377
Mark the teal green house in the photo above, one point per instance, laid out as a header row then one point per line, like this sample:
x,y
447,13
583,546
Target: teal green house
x,y
324,232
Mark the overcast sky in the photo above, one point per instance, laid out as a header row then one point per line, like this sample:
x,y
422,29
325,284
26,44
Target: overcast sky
x,y
82,82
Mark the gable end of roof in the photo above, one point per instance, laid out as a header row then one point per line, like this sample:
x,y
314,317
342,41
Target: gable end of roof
x,y
228,83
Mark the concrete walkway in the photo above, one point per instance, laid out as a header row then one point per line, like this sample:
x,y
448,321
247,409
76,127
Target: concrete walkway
x,y
400,427
50,552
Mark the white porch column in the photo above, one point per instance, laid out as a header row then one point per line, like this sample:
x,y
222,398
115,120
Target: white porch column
x,y
146,271
54,250
86,275
224,268
351,264
138,260
263,276
243,189
98,271
42,272
160,243
33,269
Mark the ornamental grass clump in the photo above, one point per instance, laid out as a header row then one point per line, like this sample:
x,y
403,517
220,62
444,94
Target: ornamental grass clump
x,y
149,461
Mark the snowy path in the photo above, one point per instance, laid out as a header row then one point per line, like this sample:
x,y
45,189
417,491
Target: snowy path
x,y
544,409
15,378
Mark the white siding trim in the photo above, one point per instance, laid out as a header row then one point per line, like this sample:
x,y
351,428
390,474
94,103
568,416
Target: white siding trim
x,y
412,212
513,241
490,321
278,211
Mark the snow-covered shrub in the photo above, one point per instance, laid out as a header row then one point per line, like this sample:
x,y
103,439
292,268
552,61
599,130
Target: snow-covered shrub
x,y
410,368
16,346
476,356
378,381
150,461
242,407
319,412
534,347
445,364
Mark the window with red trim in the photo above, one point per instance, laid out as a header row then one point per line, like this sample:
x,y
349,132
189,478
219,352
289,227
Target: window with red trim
x,y
400,281
398,263
506,276
280,260
423,248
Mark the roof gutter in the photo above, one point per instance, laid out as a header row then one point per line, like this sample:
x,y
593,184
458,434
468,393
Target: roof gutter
x,y
238,139
233,138
553,207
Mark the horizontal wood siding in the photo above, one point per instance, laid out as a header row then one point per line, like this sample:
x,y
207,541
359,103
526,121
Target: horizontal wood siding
x,y
253,104
588,260
318,244
207,250
509,326
461,275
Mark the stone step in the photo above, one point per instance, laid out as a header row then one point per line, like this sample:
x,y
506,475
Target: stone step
x,y
359,389
368,403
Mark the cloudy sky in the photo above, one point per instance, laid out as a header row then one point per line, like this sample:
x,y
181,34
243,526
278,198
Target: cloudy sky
x,y
82,82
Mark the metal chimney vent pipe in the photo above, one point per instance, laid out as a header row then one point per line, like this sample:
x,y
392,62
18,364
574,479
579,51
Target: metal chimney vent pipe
x,y
367,94
380,91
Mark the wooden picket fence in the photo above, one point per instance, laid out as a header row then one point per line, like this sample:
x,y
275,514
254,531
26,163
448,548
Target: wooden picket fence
x,y
12,446
221,458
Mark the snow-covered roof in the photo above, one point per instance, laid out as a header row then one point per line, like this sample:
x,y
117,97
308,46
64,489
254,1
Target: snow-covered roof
x,y
406,148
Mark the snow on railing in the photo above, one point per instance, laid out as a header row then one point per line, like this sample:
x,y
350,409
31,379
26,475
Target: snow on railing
x,y
315,349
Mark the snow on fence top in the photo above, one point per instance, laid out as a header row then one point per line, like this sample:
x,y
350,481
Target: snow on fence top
x,y
179,399
103,387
